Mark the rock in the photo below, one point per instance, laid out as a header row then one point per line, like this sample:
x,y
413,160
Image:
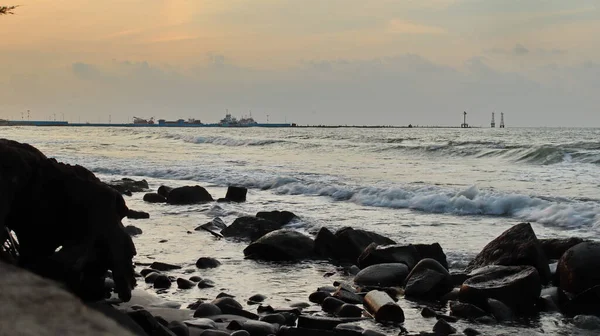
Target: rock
x,y
350,243
151,277
128,186
189,195
281,245
577,268
251,228
206,283
486,320
318,297
223,294
274,319
349,310
318,322
164,267
215,225
326,244
226,301
348,295
375,254
149,323
210,332
471,332
154,198
499,310
517,246
458,277
300,305
433,251
207,309
185,284
178,328
162,281
132,214
239,333
443,328
164,191
206,262
280,217
374,333
465,310
47,205
556,247
383,308
132,230
428,312
236,194
255,328
587,322
147,271
256,299
584,303
518,287
332,305
382,275
428,279
195,278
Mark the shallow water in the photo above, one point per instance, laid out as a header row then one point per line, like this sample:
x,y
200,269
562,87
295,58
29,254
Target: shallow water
x,y
460,188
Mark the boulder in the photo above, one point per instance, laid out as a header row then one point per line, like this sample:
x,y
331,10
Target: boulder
x,y
132,230
443,328
325,244
382,275
554,248
250,228
280,217
48,204
132,214
255,328
578,268
206,262
164,191
236,194
215,225
163,267
149,323
128,186
584,303
517,246
189,195
428,279
281,245
375,254
519,287
465,310
154,198
207,309
185,283
350,243
161,281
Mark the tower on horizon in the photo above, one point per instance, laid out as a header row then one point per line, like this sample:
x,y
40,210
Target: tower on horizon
x,y
464,124
501,119
493,124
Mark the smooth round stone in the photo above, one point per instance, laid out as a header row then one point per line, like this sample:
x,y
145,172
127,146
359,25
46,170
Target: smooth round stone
x,y
185,284
179,328
318,297
349,310
205,262
227,301
162,282
207,309
151,277
274,318
206,283
382,275
256,299
195,278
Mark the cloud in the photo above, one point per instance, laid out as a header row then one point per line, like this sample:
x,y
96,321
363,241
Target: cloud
x,y
85,71
398,26
520,50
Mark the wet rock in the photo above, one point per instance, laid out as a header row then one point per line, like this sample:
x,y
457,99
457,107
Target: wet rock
x,y
178,328
486,320
517,246
428,279
240,333
471,332
577,268
443,328
556,247
428,312
347,294
147,271
185,284
195,278
164,191
349,327
132,214
382,275
255,328
189,195
587,322
151,277
256,299
372,333
325,244
206,283
223,294
149,323
236,194
280,217
584,303
349,310
226,301
350,243
499,310
128,186
375,254
164,267
458,277
154,198
332,305
251,228
318,297
383,308
132,230
207,262
162,282
207,309
519,287
274,318
211,332
318,322
215,225
465,310
281,245
300,305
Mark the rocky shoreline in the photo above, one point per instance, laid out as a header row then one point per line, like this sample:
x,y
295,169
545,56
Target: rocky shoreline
x,y
516,276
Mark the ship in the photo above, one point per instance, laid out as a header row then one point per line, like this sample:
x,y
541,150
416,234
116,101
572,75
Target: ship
x,y
230,121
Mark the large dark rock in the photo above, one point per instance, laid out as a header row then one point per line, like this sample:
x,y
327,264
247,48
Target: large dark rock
x,y
584,303
428,279
519,287
250,228
154,198
132,230
325,244
164,191
350,243
280,217
48,205
128,186
578,268
382,275
517,246
554,248
149,323
132,214
189,195
163,267
236,194
281,245
408,254
207,262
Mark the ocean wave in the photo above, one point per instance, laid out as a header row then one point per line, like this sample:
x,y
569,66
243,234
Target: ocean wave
x,y
224,141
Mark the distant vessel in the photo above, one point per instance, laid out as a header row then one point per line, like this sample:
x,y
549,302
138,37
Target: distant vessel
x,y
141,121
230,121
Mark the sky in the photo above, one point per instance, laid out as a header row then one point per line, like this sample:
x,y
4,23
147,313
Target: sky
x,y
334,62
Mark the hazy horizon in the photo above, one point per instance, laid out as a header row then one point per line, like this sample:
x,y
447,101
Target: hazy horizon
x,y
382,62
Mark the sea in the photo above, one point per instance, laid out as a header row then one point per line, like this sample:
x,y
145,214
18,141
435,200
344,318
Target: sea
x,y
458,187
